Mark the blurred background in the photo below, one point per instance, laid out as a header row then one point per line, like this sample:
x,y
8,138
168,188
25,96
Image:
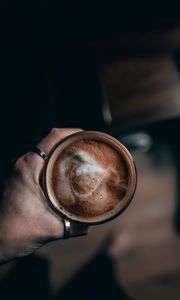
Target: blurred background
x,y
109,66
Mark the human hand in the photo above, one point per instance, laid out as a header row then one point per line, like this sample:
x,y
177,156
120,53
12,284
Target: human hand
x,y
26,219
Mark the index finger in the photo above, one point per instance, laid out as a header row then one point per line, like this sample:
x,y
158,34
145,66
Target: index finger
x,y
55,136
34,161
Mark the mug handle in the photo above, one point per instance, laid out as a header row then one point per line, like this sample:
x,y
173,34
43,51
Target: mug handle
x,y
73,229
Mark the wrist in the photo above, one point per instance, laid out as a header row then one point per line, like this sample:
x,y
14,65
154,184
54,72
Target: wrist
x,y
12,240
5,249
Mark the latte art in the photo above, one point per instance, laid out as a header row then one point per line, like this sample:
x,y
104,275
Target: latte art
x,y
85,174
89,179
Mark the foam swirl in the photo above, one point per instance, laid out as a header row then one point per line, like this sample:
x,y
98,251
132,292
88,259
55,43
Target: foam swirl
x,y
84,174
85,185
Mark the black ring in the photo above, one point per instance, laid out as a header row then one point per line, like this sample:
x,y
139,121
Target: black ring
x,y
40,152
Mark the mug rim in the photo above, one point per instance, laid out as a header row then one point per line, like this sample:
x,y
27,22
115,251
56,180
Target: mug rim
x,y
119,147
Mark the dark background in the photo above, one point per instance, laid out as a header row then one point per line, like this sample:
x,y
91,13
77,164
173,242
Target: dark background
x,y
43,82
47,79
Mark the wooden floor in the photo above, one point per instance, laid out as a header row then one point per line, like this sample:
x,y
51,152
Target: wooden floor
x,y
152,271
148,261
150,266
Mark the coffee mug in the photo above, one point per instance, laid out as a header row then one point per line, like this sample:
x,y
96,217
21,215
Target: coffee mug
x,y
89,178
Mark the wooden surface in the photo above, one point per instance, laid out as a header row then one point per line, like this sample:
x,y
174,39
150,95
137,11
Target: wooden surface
x,y
162,37
150,268
139,91
139,80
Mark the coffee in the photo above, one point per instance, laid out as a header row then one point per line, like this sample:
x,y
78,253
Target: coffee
x,y
88,177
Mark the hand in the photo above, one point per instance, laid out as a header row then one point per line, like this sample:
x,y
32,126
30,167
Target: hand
x,y
26,219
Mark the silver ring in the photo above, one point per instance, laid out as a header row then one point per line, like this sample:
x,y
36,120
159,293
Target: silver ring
x,y
67,229
40,152
72,229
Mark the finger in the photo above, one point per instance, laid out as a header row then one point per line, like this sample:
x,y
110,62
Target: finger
x,y
55,136
36,162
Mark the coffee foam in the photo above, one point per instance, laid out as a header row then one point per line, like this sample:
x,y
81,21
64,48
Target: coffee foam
x,y
89,179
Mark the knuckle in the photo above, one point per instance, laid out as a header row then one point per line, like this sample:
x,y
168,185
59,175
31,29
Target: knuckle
x,y
19,165
55,131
